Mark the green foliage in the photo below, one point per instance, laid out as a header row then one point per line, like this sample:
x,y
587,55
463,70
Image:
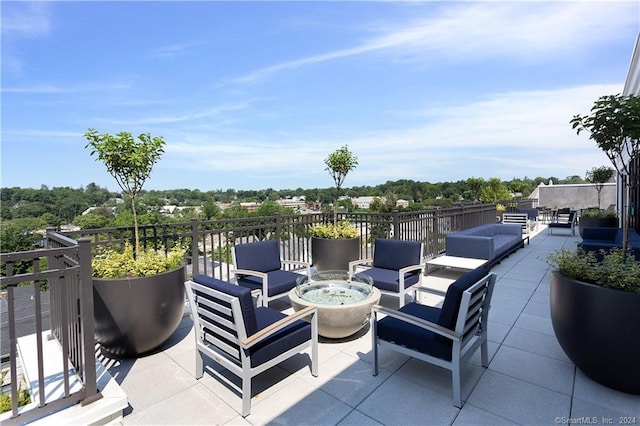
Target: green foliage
x,y
599,176
129,161
339,163
599,214
494,191
342,229
613,269
5,400
14,237
109,263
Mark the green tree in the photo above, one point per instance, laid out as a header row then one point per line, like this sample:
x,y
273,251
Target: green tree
x,y
475,187
339,163
210,210
614,125
494,191
598,176
129,161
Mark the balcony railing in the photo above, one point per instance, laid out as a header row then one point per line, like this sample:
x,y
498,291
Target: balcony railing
x,y
64,266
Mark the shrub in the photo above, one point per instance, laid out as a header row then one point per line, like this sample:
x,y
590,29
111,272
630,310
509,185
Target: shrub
x,y
343,229
110,263
599,214
606,268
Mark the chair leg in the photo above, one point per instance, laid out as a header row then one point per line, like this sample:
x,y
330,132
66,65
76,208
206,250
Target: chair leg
x,y
199,365
246,396
457,394
484,354
374,341
314,345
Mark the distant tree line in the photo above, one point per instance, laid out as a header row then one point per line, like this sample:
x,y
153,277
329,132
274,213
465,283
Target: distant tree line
x,y
23,210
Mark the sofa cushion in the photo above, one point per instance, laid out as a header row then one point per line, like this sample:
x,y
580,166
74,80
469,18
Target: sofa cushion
x,y
262,256
389,280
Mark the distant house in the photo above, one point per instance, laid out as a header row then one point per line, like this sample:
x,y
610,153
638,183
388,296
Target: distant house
x,y
363,202
293,202
402,203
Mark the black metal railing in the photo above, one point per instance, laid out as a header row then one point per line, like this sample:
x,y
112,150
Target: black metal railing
x,y
210,243
64,267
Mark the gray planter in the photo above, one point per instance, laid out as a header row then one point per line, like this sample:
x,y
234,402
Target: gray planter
x,y
334,254
599,330
597,222
134,316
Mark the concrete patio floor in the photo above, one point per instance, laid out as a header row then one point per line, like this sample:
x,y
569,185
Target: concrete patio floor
x,y
529,379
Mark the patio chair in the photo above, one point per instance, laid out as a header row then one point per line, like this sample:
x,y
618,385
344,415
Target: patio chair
x,y
395,267
565,219
447,336
259,266
242,338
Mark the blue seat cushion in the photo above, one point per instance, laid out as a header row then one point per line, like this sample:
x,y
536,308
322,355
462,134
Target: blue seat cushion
x,y
395,254
289,337
453,298
262,256
389,280
280,281
415,338
242,293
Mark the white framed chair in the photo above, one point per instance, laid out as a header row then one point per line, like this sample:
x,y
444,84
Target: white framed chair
x,y
447,336
244,339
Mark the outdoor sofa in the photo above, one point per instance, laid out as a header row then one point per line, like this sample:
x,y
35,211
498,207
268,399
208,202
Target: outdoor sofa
x,y
596,239
492,242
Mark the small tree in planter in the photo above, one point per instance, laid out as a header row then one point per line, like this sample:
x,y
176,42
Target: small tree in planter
x,y
598,176
334,245
129,161
138,295
614,124
339,163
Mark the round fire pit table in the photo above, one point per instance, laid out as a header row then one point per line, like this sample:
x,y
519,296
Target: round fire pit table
x,y
343,302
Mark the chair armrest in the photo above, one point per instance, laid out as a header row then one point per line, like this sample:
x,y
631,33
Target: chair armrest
x,y
306,265
256,295
354,263
418,322
430,290
277,326
237,272
411,268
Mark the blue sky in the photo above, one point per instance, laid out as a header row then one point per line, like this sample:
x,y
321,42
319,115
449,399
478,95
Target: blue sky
x,y
254,95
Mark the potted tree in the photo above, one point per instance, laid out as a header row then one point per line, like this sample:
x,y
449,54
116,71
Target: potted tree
x,y
591,218
335,244
595,313
595,297
138,294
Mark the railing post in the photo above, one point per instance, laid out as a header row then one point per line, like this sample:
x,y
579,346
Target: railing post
x,y
395,218
195,254
87,325
278,227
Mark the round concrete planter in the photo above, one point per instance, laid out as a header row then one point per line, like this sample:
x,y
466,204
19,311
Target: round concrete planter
x,y
134,316
597,222
334,254
599,330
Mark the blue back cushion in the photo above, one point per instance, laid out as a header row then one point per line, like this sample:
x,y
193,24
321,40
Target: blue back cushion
x,y
395,254
263,256
242,293
453,298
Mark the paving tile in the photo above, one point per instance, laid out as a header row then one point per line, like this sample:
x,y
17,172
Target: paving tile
x,y
538,343
504,314
537,309
185,407
356,418
518,401
601,414
539,370
400,401
497,332
299,404
592,391
535,323
470,415
347,379
512,293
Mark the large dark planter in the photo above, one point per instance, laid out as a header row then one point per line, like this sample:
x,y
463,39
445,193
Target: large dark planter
x,y
597,222
599,330
134,316
334,254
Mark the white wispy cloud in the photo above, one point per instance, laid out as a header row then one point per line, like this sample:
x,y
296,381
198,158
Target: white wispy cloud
x,y
57,88
523,31
27,19
174,50
505,133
